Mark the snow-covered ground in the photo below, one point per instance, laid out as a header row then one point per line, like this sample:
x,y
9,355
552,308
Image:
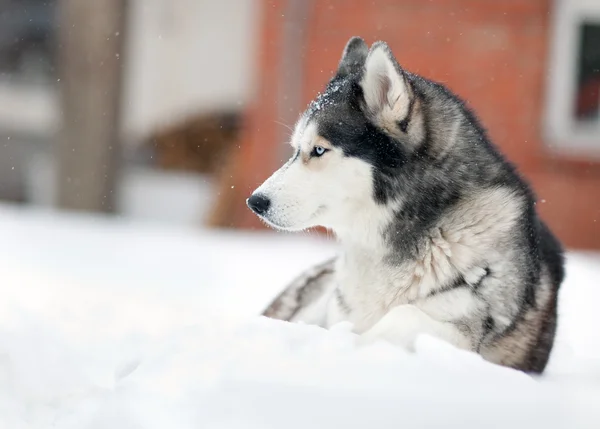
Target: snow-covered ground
x,y
118,324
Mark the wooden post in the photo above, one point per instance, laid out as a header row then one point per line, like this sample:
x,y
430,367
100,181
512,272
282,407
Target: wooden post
x,y
90,40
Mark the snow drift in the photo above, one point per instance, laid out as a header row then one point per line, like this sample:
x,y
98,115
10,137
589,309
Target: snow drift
x,y
105,324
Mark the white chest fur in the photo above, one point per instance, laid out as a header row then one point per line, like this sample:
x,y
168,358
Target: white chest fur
x,y
364,288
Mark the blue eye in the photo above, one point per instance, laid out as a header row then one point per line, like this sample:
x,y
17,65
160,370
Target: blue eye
x,y
318,151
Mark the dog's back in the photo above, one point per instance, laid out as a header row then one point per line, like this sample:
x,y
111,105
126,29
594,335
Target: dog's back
x,y
528,342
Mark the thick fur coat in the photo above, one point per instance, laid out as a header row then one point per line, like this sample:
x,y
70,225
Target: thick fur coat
x,y
439,233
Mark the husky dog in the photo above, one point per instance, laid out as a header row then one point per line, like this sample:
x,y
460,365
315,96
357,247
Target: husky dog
x,y
439,233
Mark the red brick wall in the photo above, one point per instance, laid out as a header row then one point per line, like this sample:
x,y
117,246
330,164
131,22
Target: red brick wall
x,y
492,53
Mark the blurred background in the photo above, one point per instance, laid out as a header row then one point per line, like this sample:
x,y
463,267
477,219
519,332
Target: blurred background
x,y
174,111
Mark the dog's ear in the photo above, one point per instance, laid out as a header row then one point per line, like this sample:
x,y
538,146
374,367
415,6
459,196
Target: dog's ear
x,y
354,56
387,92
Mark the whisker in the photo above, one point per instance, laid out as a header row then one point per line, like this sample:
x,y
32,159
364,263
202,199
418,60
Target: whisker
x,y
285,125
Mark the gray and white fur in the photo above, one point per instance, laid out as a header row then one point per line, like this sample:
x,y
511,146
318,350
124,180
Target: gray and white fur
x,y
439,233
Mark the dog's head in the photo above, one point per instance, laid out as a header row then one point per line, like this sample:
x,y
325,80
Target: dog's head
x,y
349,146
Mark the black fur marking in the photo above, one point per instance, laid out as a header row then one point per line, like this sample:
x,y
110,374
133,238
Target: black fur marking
x,y
296,156
551,251
403,124
342,122
302,291
488,326
534,266
356,96
536,239
381,151
538,356
425,209
458,282
354,57
342,303
488,273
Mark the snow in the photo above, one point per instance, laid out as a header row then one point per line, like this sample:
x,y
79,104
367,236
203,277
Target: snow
x,y
120,324
144,193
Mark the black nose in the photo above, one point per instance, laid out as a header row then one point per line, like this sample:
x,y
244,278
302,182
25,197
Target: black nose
x,y
258,203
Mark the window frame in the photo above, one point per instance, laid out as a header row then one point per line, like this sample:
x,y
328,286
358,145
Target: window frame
x,y
562,132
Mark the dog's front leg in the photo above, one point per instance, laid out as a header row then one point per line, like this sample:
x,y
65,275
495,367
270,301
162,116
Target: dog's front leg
x,y
402,324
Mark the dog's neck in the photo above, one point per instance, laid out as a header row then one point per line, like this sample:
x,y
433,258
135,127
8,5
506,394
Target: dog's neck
x,y
372,277
365,230
365,279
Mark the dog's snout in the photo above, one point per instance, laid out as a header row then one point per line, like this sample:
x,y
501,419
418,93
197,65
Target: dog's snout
x,y
259,203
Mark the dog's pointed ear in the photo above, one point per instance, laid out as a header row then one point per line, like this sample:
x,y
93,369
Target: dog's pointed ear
x,y
389,98
383,82
354,56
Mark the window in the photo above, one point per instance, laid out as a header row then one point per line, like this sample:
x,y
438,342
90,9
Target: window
x,y
27,68
27,31
587,95
572,118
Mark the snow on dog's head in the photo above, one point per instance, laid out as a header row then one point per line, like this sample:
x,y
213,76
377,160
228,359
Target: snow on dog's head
x,y
348,145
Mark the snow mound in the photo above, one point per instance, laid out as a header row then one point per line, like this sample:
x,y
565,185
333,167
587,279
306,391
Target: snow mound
x,y
269,374
105,324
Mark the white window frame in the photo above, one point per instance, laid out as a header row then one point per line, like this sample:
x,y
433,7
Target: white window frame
x,y
562,132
